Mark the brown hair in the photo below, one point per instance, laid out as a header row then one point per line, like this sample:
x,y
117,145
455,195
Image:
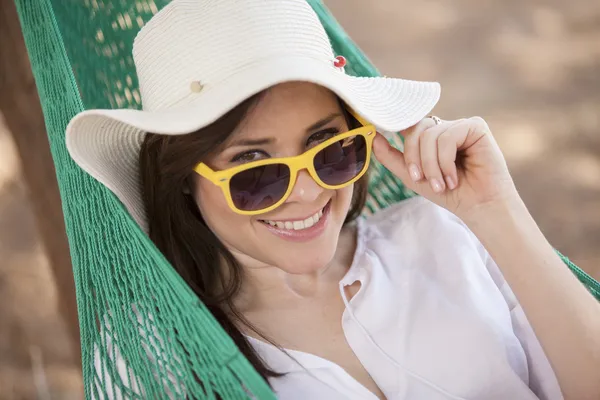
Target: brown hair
x,y
178,230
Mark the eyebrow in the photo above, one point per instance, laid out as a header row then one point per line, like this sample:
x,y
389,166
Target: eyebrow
x,y
323,122
265,141
252,142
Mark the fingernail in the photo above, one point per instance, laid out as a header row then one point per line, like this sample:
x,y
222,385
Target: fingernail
x,y
415,172
450,182
436,185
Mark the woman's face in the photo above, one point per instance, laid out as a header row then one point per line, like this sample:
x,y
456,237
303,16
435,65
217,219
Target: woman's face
x,y
289,119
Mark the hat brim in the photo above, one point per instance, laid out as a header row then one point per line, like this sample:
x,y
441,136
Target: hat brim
x,y
106,143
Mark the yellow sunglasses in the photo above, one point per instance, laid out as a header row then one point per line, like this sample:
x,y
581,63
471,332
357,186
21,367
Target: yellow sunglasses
x,y
261,186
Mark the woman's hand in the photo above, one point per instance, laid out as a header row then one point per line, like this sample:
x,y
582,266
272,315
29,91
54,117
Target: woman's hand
x,y
456,164
460,167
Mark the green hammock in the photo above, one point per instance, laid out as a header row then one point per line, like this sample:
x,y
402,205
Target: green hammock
x,y
80,51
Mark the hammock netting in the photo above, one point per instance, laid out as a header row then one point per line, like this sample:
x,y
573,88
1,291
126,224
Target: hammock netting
x,y
144,333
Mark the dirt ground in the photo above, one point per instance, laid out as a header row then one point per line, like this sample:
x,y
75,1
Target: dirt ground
x,y
530,68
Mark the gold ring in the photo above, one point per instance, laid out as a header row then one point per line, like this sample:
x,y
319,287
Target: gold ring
x,y
435,119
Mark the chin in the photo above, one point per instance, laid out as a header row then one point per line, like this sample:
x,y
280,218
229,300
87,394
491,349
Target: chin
x,y
302,265
305,257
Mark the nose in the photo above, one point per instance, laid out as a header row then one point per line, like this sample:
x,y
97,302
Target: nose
x,y
305,189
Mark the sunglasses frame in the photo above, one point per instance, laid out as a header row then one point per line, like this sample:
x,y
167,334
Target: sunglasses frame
x,y
295,164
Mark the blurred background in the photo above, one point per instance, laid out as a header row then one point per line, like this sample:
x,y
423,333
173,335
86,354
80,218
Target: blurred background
x,y
530,68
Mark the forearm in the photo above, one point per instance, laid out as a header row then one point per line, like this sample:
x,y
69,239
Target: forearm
x,y
564,316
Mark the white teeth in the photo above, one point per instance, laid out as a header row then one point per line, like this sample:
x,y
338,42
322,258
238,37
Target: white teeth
x,y
308,222
297,225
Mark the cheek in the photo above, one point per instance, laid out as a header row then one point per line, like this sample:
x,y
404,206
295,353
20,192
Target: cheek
x,y
240,233
344,197
215,210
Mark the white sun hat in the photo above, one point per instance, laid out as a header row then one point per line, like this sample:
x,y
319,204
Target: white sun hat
x,y
198,59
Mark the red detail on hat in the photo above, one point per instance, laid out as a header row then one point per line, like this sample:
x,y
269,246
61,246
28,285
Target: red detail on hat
x,y
340,61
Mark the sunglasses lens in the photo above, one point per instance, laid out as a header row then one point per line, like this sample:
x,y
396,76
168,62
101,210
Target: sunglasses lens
x,y
261,187
341,161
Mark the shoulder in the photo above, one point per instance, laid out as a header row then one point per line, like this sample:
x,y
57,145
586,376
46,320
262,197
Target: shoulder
x,y
414,216
417,233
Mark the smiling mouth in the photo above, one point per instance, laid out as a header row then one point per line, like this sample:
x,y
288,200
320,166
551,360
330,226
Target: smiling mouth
x,y
298,225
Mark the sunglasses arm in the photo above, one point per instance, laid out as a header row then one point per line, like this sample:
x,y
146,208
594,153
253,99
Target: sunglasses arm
x,y
206,172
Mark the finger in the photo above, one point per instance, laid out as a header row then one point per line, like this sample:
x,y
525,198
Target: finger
x,y
412,154
447,158
477,128
429,157
390,157
448,144
394,160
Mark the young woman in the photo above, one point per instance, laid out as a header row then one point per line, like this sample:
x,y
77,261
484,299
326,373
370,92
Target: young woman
x,y
248,169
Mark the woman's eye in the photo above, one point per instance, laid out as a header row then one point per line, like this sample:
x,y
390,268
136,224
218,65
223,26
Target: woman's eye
x,y
321,136
249,156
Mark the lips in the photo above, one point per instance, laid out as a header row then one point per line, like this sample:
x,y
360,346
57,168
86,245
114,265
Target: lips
x,y
300,230
298,224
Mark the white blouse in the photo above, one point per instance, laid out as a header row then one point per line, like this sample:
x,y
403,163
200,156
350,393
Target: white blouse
x,y
433,319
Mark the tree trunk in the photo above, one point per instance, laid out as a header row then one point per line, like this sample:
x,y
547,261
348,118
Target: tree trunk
x,y
20,105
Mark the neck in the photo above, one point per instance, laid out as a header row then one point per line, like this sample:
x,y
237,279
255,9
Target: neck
x,y
267,287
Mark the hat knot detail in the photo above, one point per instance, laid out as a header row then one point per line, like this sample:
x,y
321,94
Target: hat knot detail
x,y
340,62
196,86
